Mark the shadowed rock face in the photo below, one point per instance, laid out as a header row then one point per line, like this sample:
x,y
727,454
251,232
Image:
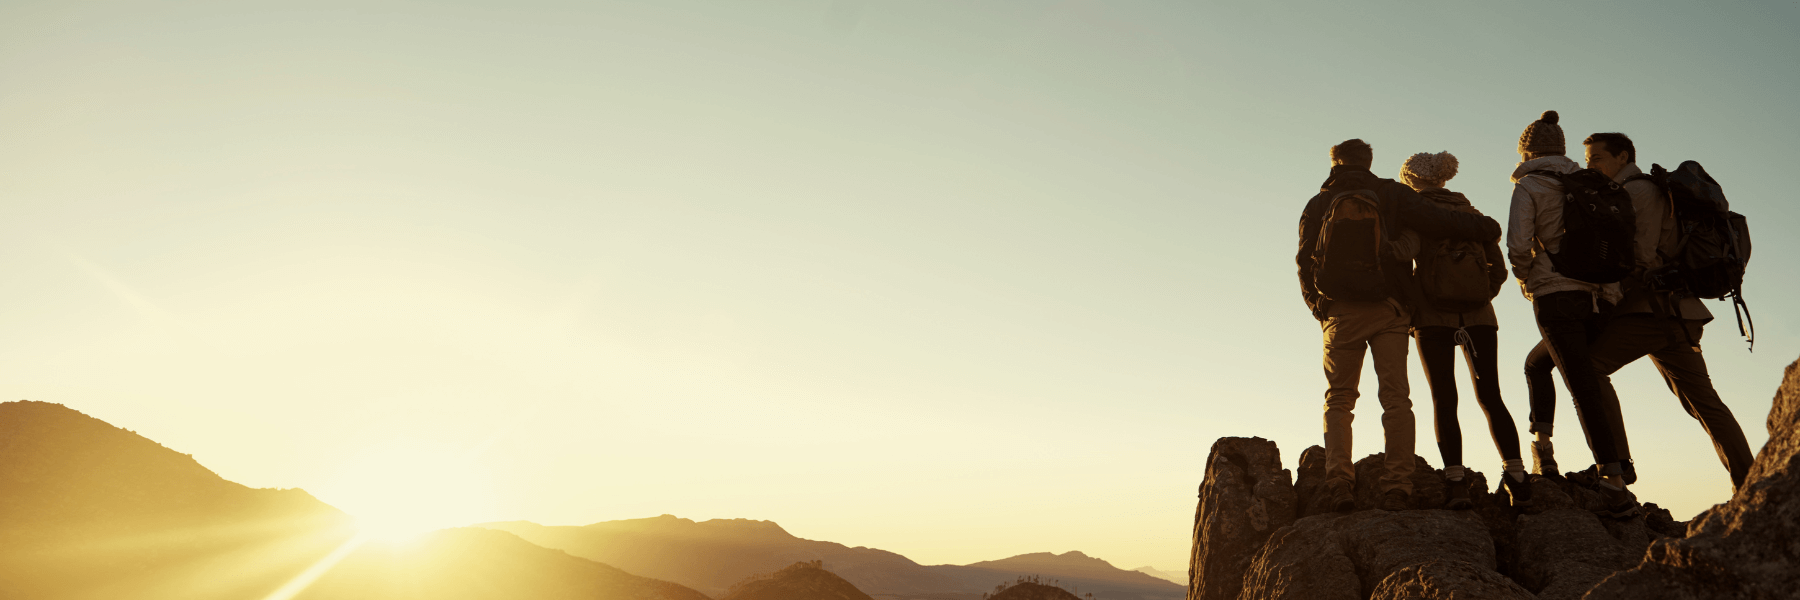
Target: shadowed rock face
x,y
1746,548
1245,497
1550,549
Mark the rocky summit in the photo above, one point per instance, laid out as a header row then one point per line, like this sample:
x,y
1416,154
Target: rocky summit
x,y
1260,533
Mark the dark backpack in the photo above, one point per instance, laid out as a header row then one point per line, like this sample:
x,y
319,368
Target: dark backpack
x,y
1598,227
1350,249
1453,274
1712,247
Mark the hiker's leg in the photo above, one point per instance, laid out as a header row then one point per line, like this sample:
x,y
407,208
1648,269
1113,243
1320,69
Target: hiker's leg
x,y
1343,370
1565,319
1484,371
1437,356
1540,388
1397,426
1687,371
1626,339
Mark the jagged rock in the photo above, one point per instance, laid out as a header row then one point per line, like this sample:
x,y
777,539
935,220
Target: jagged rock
x,y
1331,556
1448,580
1245,497
1563,552
1746,548
1303,561
1309,482
1428,483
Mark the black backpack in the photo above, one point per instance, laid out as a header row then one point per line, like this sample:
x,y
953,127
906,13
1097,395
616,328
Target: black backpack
x,y
1350,249
1598,227
1712,247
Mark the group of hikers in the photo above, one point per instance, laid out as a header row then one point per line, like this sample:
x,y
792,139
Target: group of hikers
x,y
1613,260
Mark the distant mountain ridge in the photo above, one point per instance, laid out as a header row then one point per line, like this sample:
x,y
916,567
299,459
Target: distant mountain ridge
x,y
89,511
711,556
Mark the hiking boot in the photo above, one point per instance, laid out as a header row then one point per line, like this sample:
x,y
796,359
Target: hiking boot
x,y
1519,489
1630,471
1457,493
1393,500
1543,460
1620,503
1338,496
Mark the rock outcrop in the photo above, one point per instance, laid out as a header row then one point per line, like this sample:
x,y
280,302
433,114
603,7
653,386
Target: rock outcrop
x,y
1245,497
1280,540
1746,548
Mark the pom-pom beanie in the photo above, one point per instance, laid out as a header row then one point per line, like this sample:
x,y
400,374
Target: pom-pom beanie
x,y
1543,136
1429,169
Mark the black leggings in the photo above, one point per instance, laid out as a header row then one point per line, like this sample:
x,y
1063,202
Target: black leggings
x,y
1437,347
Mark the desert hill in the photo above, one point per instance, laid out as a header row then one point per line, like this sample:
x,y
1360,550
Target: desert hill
x,y
480,564
799,581
92,511
711,556
1026,590
88,510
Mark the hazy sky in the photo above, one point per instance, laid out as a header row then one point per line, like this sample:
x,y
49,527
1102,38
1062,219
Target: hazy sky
x,y
959,280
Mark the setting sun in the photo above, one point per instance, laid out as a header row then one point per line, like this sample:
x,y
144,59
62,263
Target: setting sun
x,y
402,489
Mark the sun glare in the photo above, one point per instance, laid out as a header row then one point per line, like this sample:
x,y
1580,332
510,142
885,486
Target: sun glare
x,y
401,490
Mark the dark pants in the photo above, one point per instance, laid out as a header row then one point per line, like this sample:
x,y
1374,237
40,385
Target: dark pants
x,y
1630,337
1437,346
1540,388
1568,320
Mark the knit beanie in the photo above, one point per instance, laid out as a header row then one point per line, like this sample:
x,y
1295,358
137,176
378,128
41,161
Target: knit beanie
x,y
1428,169
1543,136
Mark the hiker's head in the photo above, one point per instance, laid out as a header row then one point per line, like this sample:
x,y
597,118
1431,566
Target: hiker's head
x,y
1427,171
1354,153
1542,138
1609,152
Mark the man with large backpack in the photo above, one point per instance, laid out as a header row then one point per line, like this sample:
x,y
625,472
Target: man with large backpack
x,y
1358,282
1569,240
1661,315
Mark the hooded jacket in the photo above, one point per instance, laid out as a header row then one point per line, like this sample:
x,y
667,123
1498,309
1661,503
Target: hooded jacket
x,y
1401,208
1426,316
1535,229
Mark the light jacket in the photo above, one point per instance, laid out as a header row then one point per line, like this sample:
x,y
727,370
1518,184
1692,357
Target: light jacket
x,y
1655,238
1426,316
1535,229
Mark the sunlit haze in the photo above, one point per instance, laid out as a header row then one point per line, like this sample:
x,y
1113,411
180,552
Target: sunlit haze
x,y
957,280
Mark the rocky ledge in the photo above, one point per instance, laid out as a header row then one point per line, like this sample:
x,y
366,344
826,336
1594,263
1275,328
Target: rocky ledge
x,y
1260,533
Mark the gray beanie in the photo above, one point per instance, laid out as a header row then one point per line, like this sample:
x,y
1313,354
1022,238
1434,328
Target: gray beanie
x,y
1543,136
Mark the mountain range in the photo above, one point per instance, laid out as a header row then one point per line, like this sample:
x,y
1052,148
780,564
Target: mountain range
x,y
91,511
670,548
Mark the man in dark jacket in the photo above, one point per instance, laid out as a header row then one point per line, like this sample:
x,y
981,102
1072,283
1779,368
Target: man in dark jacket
x,y
1380,326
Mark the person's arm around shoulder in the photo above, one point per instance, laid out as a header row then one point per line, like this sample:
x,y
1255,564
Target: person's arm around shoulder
x,y
1429,219
1521,232
1311,222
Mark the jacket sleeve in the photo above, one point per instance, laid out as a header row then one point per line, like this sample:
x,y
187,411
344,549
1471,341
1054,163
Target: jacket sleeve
x,y
1309,237
1645,203
1431,220
1521,230
1496,267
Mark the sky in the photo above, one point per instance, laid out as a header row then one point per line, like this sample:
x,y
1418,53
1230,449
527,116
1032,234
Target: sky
x,y
958,280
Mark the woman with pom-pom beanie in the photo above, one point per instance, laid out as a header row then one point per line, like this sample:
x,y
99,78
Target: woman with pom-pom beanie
x,y
1570,313
1438,332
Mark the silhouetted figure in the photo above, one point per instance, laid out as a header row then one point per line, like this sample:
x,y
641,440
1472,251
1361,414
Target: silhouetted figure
x,y
1359,286
1672,341
1459,279
1570,312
